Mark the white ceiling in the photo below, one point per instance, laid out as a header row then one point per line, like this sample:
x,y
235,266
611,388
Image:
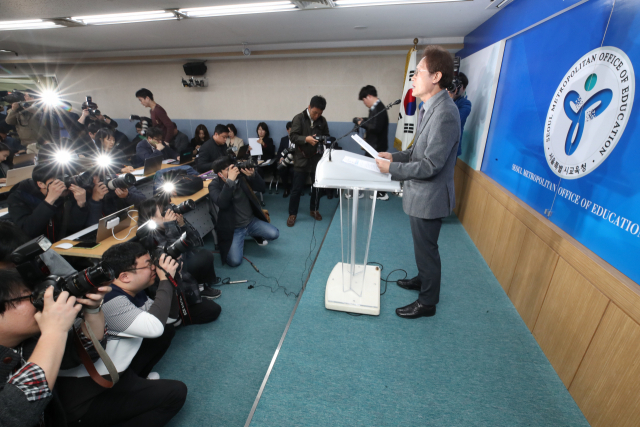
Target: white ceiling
x,y
386,25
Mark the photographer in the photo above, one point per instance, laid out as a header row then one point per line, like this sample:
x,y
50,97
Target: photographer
x,y
154,146
240,212
286,175
44,205
5,153
304,127
464,105
35,346
137,338
104,201
27,120
213,149
377,128
13,144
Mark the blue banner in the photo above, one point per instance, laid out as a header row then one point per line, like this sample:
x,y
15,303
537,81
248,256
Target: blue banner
x,y
564,131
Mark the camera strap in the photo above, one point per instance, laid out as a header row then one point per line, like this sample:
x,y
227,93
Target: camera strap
x,y
183,308
88,363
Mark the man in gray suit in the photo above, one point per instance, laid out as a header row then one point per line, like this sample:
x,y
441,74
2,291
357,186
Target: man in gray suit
x,y
427,171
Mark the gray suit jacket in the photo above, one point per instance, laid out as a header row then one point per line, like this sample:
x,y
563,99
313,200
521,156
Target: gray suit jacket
x,y
427,166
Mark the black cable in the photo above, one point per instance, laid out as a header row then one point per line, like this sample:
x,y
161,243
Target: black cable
x,y
386,281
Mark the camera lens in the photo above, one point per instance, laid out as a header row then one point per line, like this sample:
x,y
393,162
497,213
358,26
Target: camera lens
x,y
178,247
89,280
121,182
184,207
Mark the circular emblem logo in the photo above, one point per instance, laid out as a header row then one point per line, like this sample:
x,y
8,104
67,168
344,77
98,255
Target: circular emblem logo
x,y
589,112
409,103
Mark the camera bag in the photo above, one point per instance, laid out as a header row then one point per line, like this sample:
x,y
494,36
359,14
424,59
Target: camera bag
x,y
184,178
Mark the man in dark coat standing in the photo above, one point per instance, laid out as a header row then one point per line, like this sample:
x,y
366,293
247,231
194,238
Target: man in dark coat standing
x,y
427,171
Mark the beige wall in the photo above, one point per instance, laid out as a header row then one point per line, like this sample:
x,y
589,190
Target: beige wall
x,y
252,89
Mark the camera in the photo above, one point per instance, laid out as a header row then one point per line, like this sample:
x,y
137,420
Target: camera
x,y
174,250
121,182
182,208
11,97
323,141
36,274
144,121
79,284
287,159
82,180
91,106
241,163
455,83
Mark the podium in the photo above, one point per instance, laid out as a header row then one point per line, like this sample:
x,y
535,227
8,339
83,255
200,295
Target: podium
x,y
353,286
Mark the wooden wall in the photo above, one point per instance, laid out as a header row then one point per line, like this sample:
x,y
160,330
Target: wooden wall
x,y
584,314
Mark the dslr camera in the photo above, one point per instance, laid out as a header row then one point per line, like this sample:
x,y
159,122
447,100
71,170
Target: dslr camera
x,y
323,142
241,163
182,208
36,274
144,121
91,106
82,180
287,159
122,182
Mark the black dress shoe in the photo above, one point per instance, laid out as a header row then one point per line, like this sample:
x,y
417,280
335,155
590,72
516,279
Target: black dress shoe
x,y
286,193
415,310
411,284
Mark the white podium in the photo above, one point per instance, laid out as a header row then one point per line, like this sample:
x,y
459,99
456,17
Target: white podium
x,y
354,286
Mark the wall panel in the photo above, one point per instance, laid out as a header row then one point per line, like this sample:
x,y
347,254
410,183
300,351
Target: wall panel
x,y
507,249
490,228
531,278
606,386
472,209
568,320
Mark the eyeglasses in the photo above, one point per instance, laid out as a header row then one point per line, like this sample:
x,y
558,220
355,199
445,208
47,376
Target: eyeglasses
x,y
149,264
14,300
419,70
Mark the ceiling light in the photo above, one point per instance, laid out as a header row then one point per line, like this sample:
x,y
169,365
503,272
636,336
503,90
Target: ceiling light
x,y
363,3
123,18
239,9
30,24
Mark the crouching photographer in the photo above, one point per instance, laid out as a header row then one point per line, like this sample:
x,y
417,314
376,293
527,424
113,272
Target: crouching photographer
x,y
232,191
137,337
39,326
163,228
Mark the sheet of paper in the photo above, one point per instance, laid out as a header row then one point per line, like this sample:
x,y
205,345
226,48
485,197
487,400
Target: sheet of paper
x,y
361,164
3,185
256,149
168,161
137,172
364,144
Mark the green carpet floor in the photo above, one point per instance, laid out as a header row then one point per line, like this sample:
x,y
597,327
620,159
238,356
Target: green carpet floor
x,y
223,363
473,364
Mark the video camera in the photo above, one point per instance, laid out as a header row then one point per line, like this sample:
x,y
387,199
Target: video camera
x,y
455,83
91,106
144,121
37,275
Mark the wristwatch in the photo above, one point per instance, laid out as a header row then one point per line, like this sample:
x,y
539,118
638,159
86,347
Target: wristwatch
x,y
93,310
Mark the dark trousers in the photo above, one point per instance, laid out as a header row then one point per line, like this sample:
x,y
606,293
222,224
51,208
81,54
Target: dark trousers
x,y
425,234
134,401
287,177
199,263
299,179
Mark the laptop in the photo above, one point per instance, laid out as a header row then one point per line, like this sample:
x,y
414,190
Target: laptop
x,y
96,234
152,165
23,160
14,176
186,157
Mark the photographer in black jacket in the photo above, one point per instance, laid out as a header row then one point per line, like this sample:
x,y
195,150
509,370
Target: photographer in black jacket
x,y
377,129
44,205
213,149
304,127
232,191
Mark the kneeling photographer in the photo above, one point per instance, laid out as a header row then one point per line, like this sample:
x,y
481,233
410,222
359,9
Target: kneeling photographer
x,y
38,323
46,204
162,225
232,191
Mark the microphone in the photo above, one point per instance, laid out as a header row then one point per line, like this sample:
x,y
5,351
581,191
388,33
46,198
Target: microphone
x,y
396,102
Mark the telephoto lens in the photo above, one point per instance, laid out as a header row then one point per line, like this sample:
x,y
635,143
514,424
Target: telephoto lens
x,y
121,182
174,250
247,164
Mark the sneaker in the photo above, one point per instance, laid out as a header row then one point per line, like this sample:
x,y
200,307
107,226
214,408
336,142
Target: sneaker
x,y
210,293
153,376
349,195
260,241
383,196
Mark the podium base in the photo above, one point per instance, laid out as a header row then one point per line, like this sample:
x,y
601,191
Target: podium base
x,y
335,298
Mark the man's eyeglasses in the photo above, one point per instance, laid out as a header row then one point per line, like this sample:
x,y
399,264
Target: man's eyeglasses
x,y
148,265
13,300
